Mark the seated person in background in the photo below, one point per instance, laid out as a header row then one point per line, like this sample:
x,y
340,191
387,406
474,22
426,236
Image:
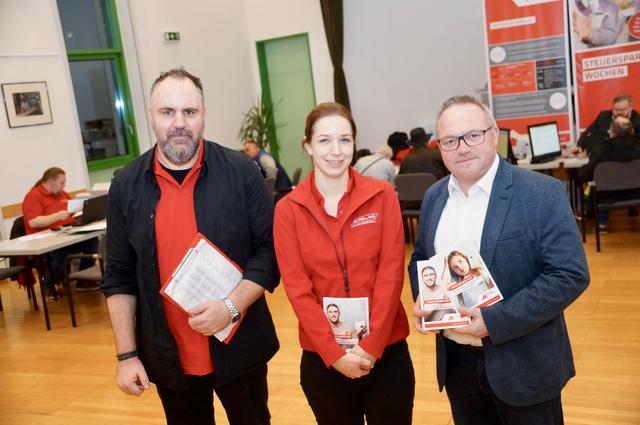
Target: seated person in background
x,y
423,159
45,207
622,107
623,146
378,165
268,165
398,142
359,154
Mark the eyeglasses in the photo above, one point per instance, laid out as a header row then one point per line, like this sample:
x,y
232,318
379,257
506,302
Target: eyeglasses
x,y
472,138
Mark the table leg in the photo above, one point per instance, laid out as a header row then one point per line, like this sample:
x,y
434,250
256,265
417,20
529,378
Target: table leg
x,y
67,288
41,278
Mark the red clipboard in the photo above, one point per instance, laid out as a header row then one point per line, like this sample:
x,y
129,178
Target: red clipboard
x,y
198,238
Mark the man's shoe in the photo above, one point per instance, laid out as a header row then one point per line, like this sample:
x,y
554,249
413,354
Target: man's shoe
x,y
633,212
603,229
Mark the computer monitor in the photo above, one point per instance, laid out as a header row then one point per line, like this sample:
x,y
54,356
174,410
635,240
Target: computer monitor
x,y
544,141
504,145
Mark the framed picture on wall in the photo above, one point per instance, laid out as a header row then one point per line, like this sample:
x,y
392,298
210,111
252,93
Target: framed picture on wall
x,y
27,104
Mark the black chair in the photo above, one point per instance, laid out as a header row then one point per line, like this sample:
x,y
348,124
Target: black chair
x,y
10,273
613,176
94,273
296,176
411,189
18,230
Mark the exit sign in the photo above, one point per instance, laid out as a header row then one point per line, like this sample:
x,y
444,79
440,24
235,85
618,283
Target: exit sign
x,y
172,36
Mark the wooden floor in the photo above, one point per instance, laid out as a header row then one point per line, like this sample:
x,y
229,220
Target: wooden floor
x,y
66,376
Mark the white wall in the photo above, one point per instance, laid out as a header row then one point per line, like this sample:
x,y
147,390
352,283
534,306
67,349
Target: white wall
x,y
404,58
280,18
213,46
33,50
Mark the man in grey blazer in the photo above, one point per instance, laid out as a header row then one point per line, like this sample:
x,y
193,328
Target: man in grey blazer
x,y
510,364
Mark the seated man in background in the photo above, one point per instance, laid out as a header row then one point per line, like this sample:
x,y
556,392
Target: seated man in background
x,y
596,133
623,146
45,207
378,165
269,167
422,159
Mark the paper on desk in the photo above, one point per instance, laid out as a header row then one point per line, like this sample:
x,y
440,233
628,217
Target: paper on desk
x,y
91,227
204,274
74,205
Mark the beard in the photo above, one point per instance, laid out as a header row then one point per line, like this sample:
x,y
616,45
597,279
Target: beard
x,y
179,153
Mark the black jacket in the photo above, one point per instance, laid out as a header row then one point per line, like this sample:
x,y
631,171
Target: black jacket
x,y
600,126
617,149
233,210
424,160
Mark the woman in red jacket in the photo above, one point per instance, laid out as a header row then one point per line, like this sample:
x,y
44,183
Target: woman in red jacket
x,y
339,240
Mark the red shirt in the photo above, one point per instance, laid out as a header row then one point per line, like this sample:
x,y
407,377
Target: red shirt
x,y
176,228
39,201
368,234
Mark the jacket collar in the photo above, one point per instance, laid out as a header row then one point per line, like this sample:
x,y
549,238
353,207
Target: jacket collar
x,y
361,190
499,203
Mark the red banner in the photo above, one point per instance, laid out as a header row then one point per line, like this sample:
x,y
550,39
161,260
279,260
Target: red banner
x,y
605,37
528,66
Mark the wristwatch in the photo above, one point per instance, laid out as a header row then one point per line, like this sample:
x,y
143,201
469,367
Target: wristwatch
x,y
233,311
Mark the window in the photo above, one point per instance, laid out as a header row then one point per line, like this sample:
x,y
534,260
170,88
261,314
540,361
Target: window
x,y
98,73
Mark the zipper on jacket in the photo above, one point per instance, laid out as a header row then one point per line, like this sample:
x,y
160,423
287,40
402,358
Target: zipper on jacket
x,y
342,262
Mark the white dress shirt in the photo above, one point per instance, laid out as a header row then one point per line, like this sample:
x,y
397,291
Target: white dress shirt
x,y
463,220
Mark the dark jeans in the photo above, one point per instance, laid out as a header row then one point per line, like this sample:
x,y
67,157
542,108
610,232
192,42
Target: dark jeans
x,y
244,400
57,258
385,396
474,403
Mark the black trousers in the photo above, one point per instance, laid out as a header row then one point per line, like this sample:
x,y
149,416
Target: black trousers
x,y
384,396
244,399
474,403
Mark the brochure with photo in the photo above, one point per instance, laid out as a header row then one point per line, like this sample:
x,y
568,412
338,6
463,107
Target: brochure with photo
x,y
456,277
349,319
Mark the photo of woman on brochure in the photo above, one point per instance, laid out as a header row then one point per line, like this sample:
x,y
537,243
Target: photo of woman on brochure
x,y
461,270
433,291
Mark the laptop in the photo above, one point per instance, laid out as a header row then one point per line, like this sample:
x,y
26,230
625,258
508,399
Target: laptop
x,y
93,209
504,146
544,141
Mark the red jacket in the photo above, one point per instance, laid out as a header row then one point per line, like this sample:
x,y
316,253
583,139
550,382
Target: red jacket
x,y
370,228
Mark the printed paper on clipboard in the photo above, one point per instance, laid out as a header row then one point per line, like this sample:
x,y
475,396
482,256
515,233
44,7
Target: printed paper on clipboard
x,y
204,274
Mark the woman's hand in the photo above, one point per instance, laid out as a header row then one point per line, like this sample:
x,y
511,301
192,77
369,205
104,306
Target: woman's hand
x,y
352,366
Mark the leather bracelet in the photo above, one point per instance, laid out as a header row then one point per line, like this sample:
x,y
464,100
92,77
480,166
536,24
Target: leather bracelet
x,y
127,355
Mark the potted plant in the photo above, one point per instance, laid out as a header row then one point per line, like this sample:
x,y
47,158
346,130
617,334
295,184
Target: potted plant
x,y
258,125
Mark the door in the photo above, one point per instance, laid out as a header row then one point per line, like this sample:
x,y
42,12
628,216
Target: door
x,y
287,81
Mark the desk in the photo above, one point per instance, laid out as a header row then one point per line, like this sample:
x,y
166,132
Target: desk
x,y
38,245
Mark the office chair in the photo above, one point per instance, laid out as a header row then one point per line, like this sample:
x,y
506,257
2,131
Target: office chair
x,y
296,176
411,189
10,273
94,273
614,176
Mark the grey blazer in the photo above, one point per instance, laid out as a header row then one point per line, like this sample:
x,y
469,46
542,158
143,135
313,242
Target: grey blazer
x,y
531,245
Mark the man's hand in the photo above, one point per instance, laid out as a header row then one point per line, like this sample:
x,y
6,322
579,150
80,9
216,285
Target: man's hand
x,y
352,366
418,314
582,26
131,377
476,328
61,215
358,351
210,317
